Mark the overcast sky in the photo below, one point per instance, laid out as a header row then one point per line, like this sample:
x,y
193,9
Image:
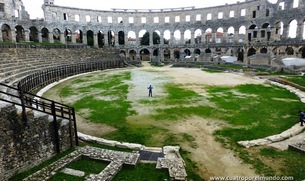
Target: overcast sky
x,y
33,7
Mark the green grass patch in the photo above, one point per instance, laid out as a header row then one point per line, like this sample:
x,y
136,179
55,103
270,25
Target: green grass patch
x,y
249,111
300,80
143,172
111,110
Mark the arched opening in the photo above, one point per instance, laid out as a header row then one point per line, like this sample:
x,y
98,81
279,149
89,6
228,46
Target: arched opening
x,y
90,40
177,37
240,55
156,38
289,51
177,53
144,37
132,54
132,38
197,52
6,33
68,35
121,38
187,53
219,35
20,36
252,34
251,52
167,54
79,36
264,50
145,55
208,51
198,34
111,38
293,25
266,32
187,37
101,39
56,35
302,52
34,34
208,35
231,32
242,34
45,35
167,37
279,28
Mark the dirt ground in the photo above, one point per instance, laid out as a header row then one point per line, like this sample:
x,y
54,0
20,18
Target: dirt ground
x,y
211,157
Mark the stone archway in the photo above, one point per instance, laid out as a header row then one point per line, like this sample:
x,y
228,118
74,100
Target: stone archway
x,y
45,35
20,36
6,33
34,34
145,55
251,52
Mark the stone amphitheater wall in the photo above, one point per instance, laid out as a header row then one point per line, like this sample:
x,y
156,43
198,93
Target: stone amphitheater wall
x,y
25,145
266,26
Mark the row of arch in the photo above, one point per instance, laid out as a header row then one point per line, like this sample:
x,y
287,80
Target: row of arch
x,y
241,34
240,52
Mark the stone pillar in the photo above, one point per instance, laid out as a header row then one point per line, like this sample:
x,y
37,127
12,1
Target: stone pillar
x,y
106,39
213,37
162,53
171,38
285,31
300,30
203,40
162,39
236,36
151,39
26,35
73,38
116,39
225,37
172,54
50,37
13,36
85,41
39,37
62,38
95,41
182,38
1,37
192,37
125,39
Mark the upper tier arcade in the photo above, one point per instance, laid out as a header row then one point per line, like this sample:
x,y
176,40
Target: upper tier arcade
x,y
254,26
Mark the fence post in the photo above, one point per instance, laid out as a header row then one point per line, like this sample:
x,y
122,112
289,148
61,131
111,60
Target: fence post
x,y
75,128
55,127
21,96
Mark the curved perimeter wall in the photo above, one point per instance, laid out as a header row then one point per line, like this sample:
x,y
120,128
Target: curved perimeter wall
x,y
253,27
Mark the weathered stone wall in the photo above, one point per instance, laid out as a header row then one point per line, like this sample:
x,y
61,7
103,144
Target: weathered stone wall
x,y
25,145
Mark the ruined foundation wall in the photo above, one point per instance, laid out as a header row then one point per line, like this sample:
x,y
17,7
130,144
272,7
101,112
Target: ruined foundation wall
x,y
27,144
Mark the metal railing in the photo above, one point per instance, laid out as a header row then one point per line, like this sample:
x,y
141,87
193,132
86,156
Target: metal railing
x,y
23,97
45,77
31,101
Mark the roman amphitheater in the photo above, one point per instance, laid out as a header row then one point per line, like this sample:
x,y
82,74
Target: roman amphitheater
x,y
152,46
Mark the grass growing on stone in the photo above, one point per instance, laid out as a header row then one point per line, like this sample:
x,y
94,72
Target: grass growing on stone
x,y
297,79
84,164
104,97
250,111
27,173
143,172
